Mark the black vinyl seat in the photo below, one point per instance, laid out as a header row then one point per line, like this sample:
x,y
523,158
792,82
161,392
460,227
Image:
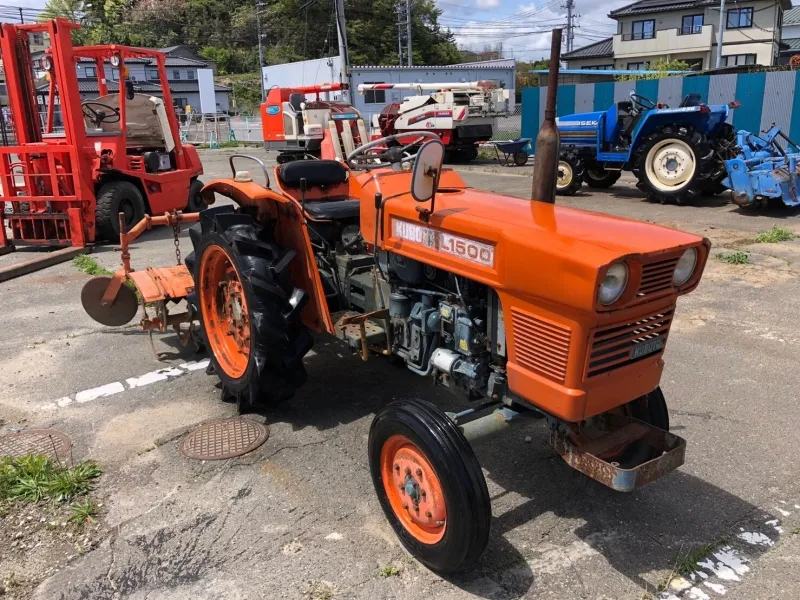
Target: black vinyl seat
x,y
315,172
333,210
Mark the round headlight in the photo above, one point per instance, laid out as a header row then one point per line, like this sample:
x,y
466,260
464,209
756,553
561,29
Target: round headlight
x,y
47,63
685,267
613,284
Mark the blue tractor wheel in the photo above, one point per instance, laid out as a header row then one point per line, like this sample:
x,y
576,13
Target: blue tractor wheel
x,y
674,164
600,178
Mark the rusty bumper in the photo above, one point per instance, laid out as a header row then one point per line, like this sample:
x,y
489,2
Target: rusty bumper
x,y
626,430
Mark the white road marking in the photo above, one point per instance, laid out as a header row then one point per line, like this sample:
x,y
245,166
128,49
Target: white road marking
x,y
756,538
195,365
153,377
785,513
99,392
697,594
716,587
774,523
334,536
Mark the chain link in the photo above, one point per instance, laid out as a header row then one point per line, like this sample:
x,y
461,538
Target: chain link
x,y
176,231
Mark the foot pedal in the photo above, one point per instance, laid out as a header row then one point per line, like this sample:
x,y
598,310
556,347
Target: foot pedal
x,y
348,328
623,431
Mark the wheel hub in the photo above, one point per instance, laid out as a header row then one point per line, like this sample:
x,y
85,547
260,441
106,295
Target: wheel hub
x,y
564,174
670,164
233,307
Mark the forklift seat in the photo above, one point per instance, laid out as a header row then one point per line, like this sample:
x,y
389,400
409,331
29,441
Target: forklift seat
x,y
332,210
317,173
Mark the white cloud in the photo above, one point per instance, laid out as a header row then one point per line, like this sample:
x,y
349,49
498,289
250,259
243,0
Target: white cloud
x,y
487,3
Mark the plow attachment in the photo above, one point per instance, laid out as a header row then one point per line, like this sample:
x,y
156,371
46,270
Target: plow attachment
x,y
114,301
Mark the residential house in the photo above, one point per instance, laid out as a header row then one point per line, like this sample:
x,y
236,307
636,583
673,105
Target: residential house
x,y
790,35
38,43
687,30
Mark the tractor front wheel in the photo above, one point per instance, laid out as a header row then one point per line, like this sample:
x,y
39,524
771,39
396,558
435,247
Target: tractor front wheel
x,y
430,485
674,164
113,198
570,173
195,203
598,177
248,309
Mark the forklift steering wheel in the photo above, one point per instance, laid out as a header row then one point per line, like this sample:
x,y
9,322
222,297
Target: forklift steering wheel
x,y
642,102
98,117
378,153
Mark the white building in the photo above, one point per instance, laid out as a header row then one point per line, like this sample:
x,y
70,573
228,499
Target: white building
x,y
328,70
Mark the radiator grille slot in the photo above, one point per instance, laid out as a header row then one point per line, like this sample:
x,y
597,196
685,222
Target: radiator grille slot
x,y
657,277
541,346
612,347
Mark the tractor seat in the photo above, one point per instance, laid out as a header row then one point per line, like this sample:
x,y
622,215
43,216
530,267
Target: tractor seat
x,y
317,173
333,210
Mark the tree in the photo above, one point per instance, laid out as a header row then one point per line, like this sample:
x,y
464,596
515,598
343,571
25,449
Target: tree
x,y
658,70
72,10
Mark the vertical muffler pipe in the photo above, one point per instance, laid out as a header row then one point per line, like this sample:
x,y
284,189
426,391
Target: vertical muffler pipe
x,y
545,166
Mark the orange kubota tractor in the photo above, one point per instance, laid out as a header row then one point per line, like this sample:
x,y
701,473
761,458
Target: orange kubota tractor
x,y
524,307
73,170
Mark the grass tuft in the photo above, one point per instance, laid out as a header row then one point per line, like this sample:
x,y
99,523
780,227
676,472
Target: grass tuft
x,y
35,478
87,264
83,512
389,570
734,258
775,235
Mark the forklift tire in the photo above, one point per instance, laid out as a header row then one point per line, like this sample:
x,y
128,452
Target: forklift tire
x,y
570,173
195,203
113,198
600,178
674,164
248,309
442,514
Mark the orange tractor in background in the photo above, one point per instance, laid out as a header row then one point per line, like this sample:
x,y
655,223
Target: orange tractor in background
x,y
75,169
522,307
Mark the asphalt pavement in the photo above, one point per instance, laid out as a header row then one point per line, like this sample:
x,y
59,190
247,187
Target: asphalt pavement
x,y
298,518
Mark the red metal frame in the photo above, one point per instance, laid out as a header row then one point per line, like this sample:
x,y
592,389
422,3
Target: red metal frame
x,y
58,175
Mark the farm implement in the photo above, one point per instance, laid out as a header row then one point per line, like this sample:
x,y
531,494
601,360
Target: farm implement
x,y
764,169
399,259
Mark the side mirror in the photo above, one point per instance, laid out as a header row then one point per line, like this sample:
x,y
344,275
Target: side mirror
x,y
427,168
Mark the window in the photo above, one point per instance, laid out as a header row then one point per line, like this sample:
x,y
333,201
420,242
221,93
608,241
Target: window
x,y
152,75
179,102
37,39
176,74
374,96
637,66
734,60
643,30
599,68
191,75
90,71
695,64
691,24
739,18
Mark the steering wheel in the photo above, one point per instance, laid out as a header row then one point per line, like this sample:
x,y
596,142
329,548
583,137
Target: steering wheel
x,y
378,153
100,116
642,102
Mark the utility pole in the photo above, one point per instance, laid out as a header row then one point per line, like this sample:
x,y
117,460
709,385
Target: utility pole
x,y
399,9
260,52
570,6
408,33
344,53
720,30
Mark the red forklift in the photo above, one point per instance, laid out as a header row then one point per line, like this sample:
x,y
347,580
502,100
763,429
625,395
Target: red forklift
x,y
75,168
295,127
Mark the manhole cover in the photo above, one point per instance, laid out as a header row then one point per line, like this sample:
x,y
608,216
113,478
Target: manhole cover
x,y
217,440
35,441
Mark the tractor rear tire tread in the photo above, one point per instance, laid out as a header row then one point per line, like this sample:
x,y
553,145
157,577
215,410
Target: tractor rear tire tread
x,y
467,499
705,167
608,179
578,169
107,210
275,369
195,202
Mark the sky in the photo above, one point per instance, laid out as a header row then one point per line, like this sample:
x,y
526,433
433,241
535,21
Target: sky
x,y
522,26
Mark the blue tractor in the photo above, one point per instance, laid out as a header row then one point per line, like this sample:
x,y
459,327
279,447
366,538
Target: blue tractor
x,y
676,154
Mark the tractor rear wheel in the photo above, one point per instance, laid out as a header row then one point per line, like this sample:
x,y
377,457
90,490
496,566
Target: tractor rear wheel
x,y
430,485
113,198
248,309
195,203
570,173
598,177
674,164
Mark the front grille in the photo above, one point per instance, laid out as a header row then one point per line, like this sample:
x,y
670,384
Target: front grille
x,y
613,347
540,346
657,277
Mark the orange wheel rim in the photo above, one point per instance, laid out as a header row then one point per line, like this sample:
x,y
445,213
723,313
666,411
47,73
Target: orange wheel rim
x,y
413,489
223,307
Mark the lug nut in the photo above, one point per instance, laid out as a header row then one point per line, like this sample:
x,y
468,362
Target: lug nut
x,y
428,514
402,487
405,506
419,472
397,467
408,471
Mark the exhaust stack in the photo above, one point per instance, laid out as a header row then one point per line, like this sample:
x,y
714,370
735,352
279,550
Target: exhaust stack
x,y
545,166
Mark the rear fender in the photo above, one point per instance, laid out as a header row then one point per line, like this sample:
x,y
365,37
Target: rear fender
x,y
690,116
290,232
